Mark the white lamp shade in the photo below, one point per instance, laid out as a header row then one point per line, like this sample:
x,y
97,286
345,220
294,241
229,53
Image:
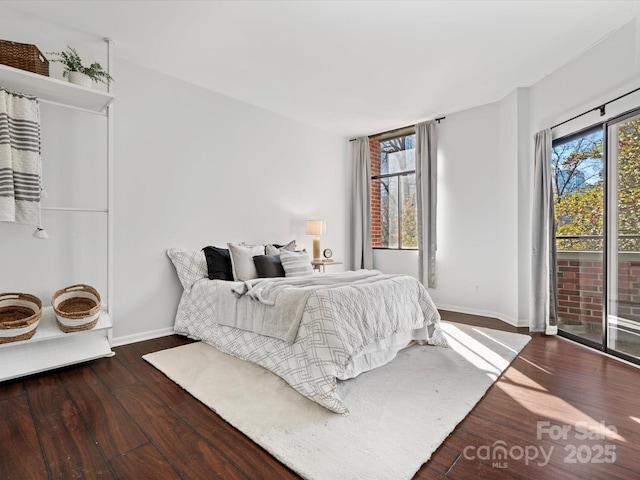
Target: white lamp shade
x,y
316,227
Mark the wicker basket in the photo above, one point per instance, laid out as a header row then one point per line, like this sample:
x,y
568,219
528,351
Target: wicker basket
x,y
19,316
23,56
76,307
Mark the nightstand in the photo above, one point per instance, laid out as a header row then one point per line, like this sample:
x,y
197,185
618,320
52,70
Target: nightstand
x,y
320,264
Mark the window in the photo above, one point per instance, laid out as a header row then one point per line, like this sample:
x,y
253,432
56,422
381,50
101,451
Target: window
x,y
393,191
578,187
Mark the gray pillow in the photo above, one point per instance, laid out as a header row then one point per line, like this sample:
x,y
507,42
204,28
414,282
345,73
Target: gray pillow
x,y
274,248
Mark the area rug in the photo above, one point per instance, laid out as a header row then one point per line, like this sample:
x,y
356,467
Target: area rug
x,y
399,413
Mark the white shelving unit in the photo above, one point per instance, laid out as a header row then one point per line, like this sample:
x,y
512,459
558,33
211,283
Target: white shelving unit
x,y
50,347
53,90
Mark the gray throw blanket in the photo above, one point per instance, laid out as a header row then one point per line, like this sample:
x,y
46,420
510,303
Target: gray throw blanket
x,y
274,306
20,161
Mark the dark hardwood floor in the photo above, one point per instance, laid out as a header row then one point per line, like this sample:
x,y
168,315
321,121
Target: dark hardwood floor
x,y
121,418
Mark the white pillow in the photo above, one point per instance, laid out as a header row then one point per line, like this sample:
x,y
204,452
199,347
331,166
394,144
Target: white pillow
x,y
190,265
295,264
273,249
242,260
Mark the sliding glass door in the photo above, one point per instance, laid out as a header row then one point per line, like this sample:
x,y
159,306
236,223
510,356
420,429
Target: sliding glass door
x,y
597,204
623,238
578,172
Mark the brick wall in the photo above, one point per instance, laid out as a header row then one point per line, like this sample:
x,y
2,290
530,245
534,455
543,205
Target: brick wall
x,y
581,286
580,289
629,288
376,230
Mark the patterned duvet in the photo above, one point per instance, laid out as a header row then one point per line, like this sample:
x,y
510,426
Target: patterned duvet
x,y
344,330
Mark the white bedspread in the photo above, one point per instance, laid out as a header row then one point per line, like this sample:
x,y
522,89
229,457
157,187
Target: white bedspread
x,y
337,325
274,306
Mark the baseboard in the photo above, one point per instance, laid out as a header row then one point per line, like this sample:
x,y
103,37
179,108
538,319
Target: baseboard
x,y
483,313
141,337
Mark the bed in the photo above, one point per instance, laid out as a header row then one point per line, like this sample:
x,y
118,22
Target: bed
x,y
343,324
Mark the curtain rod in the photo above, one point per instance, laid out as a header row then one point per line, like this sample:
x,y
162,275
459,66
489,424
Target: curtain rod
x,y
601,108
395,130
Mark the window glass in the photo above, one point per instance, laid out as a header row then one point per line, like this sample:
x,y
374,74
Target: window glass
x,y
393,193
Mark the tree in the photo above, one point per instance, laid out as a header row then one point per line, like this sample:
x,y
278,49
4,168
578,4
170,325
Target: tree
x,y
579,192
629,185
409,228
579,189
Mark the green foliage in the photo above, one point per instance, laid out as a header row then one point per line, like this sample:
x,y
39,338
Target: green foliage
x,y
73,63
629,184
409,228
579,212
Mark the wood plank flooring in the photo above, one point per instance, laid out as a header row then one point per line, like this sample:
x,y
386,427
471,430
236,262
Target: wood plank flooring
x,y
121,418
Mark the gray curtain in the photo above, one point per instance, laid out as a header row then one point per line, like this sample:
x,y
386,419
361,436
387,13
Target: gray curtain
x,y
543,312
362,250
427,196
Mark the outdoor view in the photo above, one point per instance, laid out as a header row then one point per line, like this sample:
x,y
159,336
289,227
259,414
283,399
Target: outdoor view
x,y
579,193
393,193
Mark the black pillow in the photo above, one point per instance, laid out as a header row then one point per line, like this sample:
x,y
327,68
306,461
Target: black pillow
x,y
218,263
268,266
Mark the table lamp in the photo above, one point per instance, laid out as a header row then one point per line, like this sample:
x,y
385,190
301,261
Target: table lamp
x,y
316,228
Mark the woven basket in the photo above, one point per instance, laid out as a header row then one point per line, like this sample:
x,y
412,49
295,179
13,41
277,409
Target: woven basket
x,y
23,56
19,316
76,307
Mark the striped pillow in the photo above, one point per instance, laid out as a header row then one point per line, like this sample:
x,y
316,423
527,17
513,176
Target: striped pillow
x,y
295,264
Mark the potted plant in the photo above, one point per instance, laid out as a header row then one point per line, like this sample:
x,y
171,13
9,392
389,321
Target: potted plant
x,y
78,73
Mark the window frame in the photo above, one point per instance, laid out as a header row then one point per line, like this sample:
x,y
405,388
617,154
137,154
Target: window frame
x,y
398,175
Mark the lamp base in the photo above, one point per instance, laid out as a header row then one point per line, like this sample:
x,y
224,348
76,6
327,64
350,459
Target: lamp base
x,y
316,248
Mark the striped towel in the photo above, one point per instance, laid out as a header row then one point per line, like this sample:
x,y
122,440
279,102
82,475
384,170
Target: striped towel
x,y
20,160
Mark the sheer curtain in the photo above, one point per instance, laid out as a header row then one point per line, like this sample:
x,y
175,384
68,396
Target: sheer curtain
x,y
427,195
543,312
362,250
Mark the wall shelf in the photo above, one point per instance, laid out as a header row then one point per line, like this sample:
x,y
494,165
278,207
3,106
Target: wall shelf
x,y
54,90
51,348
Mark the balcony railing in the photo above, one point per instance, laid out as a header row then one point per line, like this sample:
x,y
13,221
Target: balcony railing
x,y
581,279
626,243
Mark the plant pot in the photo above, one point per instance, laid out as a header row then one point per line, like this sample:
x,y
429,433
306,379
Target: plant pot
x,y
79,78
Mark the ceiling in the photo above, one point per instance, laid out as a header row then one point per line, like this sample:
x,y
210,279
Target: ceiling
x,y
352,67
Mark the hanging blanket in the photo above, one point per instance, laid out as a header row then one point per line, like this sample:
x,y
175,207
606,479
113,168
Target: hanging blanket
x,y
20,160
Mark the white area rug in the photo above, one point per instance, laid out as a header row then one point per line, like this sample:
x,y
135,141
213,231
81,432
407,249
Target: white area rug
x,y
399,413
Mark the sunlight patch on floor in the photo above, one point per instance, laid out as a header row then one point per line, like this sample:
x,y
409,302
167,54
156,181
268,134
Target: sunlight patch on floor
x,y
535,398
477,354
542,369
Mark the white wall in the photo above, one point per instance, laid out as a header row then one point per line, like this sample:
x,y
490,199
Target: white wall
x,y
485,177
513,115
469,203
195,168
603,72
192,168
